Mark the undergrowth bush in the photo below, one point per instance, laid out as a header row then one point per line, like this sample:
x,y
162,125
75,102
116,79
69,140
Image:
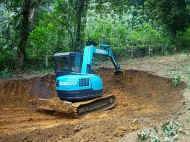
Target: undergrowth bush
x,y
183,39
168,132
4,74
7,59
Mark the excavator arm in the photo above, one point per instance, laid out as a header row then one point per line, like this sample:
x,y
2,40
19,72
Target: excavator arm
x,y
88,55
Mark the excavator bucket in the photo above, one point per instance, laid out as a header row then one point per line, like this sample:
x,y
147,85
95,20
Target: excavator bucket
x,y
56,105
118,72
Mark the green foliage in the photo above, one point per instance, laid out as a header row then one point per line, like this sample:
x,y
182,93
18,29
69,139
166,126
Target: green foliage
x,y
143,134
147,34
146,135
119,32
42,40
4,74
173,14
183,39
7,59
155,138
176,80
167,133
50,35
120,52
56,30
171,128
54,27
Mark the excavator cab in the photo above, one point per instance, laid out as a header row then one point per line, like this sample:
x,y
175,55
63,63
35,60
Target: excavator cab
x,y
71,84
67,63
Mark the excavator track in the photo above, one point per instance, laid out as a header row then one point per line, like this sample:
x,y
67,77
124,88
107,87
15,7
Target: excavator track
x,y
77,108
101,103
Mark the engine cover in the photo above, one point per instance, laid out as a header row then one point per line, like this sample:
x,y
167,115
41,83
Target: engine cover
x,y
78,87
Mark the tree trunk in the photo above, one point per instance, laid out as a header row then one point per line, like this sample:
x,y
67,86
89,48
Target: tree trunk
x,y
28,12
81,12
46,61
24,31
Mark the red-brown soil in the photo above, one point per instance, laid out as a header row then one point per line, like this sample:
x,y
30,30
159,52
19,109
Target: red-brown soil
x,y
143,100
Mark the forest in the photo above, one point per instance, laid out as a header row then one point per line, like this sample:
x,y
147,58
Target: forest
x,y
31,31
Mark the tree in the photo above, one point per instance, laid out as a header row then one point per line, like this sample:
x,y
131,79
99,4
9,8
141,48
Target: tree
x,y
81,7
25,27
22,23
71,14
171,13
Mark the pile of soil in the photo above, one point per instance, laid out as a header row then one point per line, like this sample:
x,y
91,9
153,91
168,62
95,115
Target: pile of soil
x,y
17,92
142,100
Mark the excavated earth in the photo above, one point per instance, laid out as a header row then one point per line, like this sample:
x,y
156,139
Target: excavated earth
x,y
143,100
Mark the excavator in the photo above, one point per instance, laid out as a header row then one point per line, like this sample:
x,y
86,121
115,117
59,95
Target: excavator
x,y
79,89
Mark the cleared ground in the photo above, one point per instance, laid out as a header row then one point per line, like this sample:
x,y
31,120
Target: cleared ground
x,y
143,100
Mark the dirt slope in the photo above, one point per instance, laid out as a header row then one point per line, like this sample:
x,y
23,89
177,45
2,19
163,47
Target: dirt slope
x,y
143,99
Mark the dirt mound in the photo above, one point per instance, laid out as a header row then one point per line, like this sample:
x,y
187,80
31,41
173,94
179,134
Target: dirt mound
x,y
16,92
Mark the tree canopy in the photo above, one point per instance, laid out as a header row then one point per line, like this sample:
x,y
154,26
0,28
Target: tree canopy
x,y
32,30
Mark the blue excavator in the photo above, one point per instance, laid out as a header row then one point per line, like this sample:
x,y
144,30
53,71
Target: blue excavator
x,y
78,88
